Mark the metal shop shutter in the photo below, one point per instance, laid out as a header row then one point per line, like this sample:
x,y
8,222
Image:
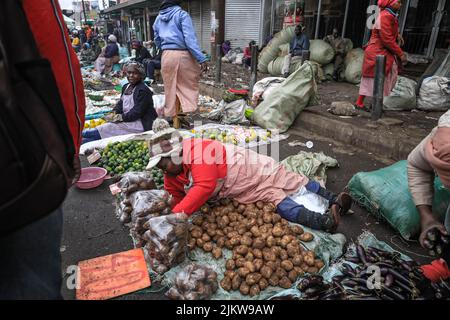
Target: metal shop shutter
x,y
206,26
195,13
242,22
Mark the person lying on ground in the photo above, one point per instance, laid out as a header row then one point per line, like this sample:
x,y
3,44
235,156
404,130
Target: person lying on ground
x,y
133,114
430,157
197,170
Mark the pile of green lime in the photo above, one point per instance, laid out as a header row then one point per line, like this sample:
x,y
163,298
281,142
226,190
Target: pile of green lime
x,y
158,177
120,157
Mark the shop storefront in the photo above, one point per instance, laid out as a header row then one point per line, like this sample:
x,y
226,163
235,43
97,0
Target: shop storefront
x,y
426,26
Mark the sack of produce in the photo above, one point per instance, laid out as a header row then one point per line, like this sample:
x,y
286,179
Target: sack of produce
x,y
141,206
272,50
134,181
434,94
282,107
149,202
166,242
403,96
321,52
385,193
353,65
328,71
194,282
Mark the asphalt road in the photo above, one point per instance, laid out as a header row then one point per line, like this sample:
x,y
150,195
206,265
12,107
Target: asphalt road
x,y
92,230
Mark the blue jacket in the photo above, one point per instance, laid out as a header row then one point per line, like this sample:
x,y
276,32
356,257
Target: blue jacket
x,y
174,31
299,44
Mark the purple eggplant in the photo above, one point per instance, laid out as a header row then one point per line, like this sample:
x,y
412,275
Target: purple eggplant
x,y
389,280
361,254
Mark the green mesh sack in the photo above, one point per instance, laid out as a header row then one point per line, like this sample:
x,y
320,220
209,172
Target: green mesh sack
x,y
385,193
280,109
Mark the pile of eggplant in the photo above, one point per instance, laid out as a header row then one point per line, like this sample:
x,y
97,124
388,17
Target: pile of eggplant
x,y
399,280
436,242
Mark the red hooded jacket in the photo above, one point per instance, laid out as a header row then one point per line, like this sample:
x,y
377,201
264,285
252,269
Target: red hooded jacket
x,y
383,41
204,163
50,32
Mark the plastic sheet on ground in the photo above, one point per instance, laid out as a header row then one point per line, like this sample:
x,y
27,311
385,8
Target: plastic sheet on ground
x,y
228,113
101,144
366,239
312,165
326,246
240,133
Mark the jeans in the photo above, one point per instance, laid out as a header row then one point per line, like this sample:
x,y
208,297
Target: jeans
x,y
297,213
90,135
31,260
153,65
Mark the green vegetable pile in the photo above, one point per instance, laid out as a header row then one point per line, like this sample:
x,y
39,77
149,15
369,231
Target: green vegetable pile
x,y
158,178
120,157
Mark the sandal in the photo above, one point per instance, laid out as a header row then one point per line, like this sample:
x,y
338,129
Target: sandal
x,y
363,108
344,202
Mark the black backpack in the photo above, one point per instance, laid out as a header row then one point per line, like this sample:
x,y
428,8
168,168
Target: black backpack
x,y
36,148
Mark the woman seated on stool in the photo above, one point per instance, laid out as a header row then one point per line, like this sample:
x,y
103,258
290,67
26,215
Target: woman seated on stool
x,y
133,114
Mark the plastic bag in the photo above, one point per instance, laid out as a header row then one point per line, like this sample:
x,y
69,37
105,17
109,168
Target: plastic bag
x,y
229,113
149,202
134,181
159,102
385,193
282,107
194,282
272,50
434,94
403,96
328,71
353,65
167,239
239,59
321,52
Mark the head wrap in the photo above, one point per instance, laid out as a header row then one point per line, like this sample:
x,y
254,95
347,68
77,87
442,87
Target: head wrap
x,y
169,3
139,67
386,3
136,42
112,38
437,152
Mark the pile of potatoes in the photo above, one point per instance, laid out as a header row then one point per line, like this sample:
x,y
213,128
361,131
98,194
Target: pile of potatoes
x,y
266,249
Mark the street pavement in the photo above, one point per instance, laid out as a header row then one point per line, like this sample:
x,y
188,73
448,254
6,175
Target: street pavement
x,y
91,228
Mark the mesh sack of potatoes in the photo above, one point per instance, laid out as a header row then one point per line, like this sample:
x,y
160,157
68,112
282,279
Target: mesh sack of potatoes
x,y
166,242
194,282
